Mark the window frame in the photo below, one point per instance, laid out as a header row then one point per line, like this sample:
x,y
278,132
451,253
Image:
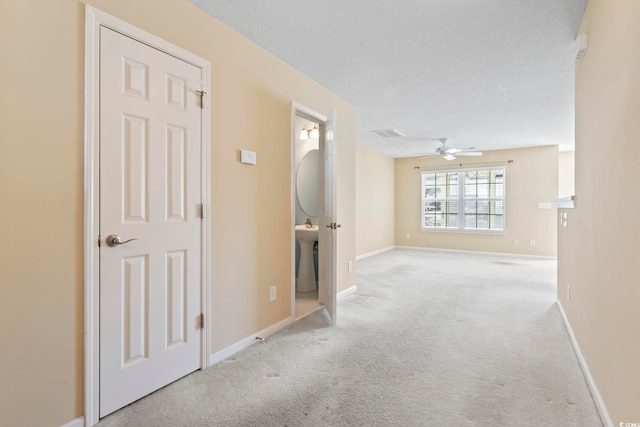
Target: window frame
x,y
461,201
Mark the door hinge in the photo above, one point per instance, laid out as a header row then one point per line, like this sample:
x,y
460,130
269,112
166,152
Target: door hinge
x,y
202,94
201,321
202,210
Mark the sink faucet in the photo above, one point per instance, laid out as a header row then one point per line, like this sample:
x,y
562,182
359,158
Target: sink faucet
x,y
308,223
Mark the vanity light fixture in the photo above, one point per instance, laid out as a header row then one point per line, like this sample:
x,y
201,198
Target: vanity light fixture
x,y
304,133
313,133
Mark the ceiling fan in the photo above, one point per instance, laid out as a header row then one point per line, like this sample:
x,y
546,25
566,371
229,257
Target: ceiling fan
x,y
449,153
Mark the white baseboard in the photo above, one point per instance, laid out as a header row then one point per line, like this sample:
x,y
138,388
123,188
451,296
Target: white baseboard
x,y
461,251
346,292
250,340
602,409
372,253
78,422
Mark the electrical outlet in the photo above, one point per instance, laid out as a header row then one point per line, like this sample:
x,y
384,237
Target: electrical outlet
x,y
515,242
350,266
407,236
532,242
568,293
272,294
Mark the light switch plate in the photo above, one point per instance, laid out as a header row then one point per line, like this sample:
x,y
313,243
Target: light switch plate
x,y
544,205
248,157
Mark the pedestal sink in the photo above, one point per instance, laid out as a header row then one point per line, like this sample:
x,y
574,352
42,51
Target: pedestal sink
x,y
306,272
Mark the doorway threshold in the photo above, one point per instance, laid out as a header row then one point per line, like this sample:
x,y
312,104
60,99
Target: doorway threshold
x,y
307,303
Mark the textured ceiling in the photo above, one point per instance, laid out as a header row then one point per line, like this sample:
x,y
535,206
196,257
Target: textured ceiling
x,y
486,73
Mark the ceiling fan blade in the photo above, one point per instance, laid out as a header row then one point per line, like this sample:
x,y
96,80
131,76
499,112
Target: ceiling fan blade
x,y
458,150
452,150
470,153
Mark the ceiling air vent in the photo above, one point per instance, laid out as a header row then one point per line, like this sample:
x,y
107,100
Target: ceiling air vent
x,y
387,133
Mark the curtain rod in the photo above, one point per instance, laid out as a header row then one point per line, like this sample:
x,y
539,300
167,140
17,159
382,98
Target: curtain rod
x,y
455,165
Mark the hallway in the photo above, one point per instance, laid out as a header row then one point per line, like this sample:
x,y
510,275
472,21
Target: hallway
x,y
429,339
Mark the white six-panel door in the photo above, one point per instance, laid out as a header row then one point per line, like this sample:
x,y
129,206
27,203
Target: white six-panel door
x,y
150,190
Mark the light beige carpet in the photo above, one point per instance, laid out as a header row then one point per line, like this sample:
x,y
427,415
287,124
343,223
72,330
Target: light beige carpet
x,y
429,339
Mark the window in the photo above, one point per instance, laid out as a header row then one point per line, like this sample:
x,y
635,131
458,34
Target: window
x,y
466,199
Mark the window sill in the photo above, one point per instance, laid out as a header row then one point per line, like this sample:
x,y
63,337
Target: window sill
x,y
463,231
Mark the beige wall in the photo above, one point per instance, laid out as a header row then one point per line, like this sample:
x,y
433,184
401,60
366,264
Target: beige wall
x,y
41,189
531,178
598,250
375,201
566,173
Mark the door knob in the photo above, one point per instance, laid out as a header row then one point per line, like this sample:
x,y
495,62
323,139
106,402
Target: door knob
x,y
114,240
333,226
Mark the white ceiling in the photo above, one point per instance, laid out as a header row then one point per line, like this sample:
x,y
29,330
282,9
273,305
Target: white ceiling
x,y
492,74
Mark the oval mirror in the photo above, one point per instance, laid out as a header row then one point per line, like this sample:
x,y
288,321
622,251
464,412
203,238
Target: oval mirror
x,y
308,183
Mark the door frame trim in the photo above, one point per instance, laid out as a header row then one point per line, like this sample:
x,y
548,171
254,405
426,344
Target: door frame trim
x,y
299,110
94,19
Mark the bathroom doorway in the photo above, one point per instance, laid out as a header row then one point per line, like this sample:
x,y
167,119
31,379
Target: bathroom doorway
x,y
313,207
307,214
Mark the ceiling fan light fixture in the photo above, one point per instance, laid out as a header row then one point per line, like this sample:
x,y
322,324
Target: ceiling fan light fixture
x,y
448,157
